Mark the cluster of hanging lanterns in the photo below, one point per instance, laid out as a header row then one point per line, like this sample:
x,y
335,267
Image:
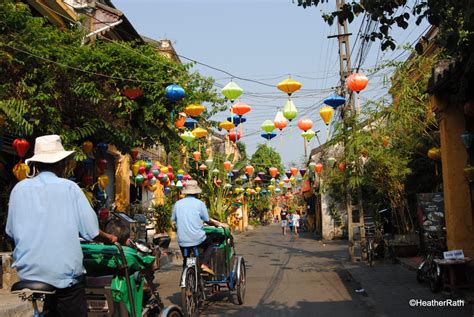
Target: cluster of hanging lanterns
x,y
21,170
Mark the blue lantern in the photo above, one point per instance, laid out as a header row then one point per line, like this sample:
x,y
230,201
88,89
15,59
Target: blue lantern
x,y
174,93
102,196
167,190
102,147
179,177
190,123
268,136
334,101
236,119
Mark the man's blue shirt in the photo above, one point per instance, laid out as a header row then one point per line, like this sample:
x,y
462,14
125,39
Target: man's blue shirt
x,y
46,214
189,214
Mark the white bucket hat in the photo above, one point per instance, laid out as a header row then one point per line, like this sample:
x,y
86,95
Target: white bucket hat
x,y
48,149
191,188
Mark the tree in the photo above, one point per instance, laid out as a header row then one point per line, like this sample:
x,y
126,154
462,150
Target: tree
x,y
264,158
51,83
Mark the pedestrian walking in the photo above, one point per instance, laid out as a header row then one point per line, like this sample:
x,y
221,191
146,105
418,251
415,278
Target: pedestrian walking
x,y
296,222
284,220
291,221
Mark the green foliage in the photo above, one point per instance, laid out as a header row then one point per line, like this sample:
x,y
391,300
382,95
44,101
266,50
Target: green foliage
x,y
162,216
264,158
51,83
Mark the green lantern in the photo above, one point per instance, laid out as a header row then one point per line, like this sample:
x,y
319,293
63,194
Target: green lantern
x,y
289,110
232,91
268,126
308,135
187,136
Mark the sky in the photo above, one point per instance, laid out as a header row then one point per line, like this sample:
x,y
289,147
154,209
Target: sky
x,y
264,41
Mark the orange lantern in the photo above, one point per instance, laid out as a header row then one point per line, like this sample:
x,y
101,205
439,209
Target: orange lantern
x,y
357,82
294,171
280,121
197,155
227,165
194,110
318,168
249,169
87,147
21,170
289,86
181,120
305,124
240,108
342,166
434,153
273,171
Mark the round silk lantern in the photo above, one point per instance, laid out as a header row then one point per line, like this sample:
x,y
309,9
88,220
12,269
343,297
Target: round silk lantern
x,y
150,175
357,82
21,170
199,132
148,165
187,136
235,119
87,147
234,136
194,110
132,93
179,123
434,153
268,126
334,101
226,125
273,171
289,110
197,156
308,135
305,124
103,180
102,165
268,136
21,146
249,169
170,176
190,123
139,179
152,181
326,113
232,91
161,176
174,93
179,185
289,86
240,108
318,168
227,165
294,171
141,169
280,121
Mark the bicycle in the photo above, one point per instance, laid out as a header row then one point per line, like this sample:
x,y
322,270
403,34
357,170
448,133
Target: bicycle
x,y
369,229
428,270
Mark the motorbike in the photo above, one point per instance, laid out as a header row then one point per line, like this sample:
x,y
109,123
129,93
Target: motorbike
x,y
429,270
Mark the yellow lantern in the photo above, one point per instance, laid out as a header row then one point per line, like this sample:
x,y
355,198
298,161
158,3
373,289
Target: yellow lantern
x,y
271,187
226,125
249,191
135,168
199,132
142,163
194,110
103,180
289,86
258,189
434,153
281,183
180,171
326,113
164,169
21,170
153,187
87,147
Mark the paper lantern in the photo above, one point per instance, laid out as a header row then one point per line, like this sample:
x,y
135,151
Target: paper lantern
x,y
280,121
174,93
103,180
273,171
21,170
197,155
190,123
170,176
240,108
305,124
139,179
268,126
331,161
180,122
334,101
308,135
249,169
268,136
318,168
294,171
289,110
187,136
302,171
257,179
289,86
194,110
326,113
102,165
134,153
234,136
271,187
236,120
357,82
226,125
232,91
227,165
135,168
155,172
199,132
87,147
21,146
132,93
342,166
434,153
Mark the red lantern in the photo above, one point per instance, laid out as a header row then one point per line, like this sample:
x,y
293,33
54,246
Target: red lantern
x,y
170,176
357,82
294,171
227,166
134,153
170,168
87,180
132,93
102,165
21,146
305,124
234,136
249,169
240,108
342,167
103,214
273,171
318,168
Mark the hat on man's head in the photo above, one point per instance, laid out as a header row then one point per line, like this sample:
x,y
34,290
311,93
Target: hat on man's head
x,y
49,149
191,188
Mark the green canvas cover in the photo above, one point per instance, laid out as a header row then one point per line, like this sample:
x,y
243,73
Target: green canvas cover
x,y
105,260
222,234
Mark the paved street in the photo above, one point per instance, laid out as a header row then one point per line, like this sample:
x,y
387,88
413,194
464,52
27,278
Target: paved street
x,y
290,276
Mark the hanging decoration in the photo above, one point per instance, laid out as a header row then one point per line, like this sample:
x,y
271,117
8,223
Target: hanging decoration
x,y
203,168
21,146
294,171
227,165
134,153
249,170
232,91
289,110
342,166
280,121
318,168
289,86
21,170
174,93
187,136
103,181
240,108
102,165
434,154
357,82
273,171
180,122
132,93
226,125
326,113
268,136
302,172
308,135
331,161
199,132
87,147
197,156
305,124
194,110
268,126
236,120
234,136
190,123
334,101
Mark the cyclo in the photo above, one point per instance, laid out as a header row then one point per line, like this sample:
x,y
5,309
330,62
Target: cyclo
x,y
229,268
119,282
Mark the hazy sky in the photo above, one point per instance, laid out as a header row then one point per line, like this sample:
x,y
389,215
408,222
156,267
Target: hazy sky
x,y
262,40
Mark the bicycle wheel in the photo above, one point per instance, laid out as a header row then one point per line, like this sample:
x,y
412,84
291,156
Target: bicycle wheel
x,y
370,253
189,297
172,311
436,283
241,284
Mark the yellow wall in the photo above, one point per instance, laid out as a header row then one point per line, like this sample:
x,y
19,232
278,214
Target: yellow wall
x,y
457,202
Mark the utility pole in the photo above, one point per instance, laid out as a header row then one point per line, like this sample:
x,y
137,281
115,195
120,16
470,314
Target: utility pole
x,y
345,69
